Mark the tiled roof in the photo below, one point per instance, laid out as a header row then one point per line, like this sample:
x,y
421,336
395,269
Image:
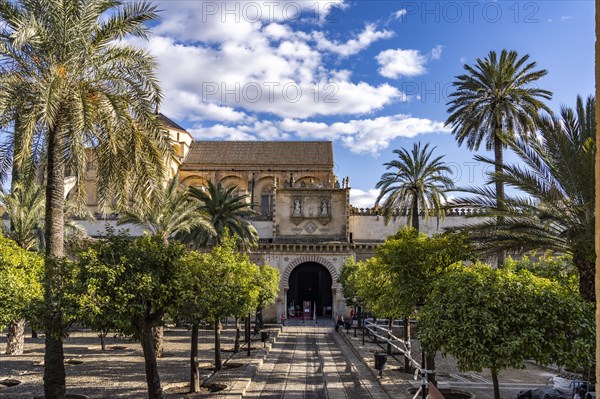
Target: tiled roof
x,y
251,153
169,123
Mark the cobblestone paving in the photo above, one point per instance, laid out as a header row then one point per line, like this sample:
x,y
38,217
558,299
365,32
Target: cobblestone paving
x,y
312,362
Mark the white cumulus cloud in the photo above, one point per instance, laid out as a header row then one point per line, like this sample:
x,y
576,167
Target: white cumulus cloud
x,y
436,52
363,199
369,135
400,13
369,35
218,63
397,62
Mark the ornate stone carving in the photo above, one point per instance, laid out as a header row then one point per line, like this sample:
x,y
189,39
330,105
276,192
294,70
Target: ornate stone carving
x,y
310,227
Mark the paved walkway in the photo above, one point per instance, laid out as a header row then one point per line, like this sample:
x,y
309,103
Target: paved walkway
x,y
313,362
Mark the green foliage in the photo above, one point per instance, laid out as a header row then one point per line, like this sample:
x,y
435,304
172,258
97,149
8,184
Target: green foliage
x,y
497,318
349,281
226,212
24,206
556,268
267,281
125,281
218,284
556,172
60,305
496,97
170,211
418,181
21,274
380,290
69,74
400,274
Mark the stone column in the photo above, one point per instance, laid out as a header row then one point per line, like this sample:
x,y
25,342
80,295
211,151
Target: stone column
x,y
334,303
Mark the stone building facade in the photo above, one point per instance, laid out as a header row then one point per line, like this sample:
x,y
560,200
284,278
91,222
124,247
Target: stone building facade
x,y
306,224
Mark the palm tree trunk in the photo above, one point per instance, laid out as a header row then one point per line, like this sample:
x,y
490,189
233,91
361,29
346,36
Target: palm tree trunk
x,y
151,367
54,377
54,370
15,338
499,162
587,276
496,385
218,361
194,372
415,214
597,202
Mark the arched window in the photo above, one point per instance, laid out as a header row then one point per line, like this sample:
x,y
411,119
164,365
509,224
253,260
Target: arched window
x,y
266,202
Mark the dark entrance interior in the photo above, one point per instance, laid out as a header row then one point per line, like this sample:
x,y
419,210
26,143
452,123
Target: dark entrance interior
x,y
310,282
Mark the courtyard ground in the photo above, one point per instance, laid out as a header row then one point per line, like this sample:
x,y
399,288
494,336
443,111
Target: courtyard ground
x,y
306,361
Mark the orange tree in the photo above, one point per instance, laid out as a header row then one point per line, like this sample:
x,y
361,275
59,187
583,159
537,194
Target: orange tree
x,y
497,318
128,285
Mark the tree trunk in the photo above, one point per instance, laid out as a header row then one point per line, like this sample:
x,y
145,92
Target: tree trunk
x,y
218,362
597,206
261,323
499,163
54,370
586,269
415,213
102,343
15,338
152,378
406,337
238,333
158,334
431,367
496,385
194,372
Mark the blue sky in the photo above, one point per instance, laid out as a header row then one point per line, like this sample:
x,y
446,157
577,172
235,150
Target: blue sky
x,y
372,76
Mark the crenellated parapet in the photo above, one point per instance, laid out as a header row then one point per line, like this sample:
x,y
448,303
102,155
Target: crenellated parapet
x,y
399,212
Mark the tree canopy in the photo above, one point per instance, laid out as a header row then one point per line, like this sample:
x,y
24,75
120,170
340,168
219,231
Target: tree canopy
x,y
128,285
418,182
497,318
556,172
20,281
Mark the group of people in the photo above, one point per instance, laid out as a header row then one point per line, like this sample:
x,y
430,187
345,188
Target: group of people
x,y
340,319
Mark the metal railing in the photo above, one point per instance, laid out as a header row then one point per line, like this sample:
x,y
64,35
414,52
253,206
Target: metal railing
x,y
404,348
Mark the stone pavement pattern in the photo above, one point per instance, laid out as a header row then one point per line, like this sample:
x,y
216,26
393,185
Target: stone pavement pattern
x,y
313,362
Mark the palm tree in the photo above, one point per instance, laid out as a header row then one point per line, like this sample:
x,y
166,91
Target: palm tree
x,y
24,207
418,182
170,212
226,211
495,101
557,174
68,76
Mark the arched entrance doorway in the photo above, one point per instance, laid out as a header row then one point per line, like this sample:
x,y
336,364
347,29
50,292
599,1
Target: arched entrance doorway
x,y
310,281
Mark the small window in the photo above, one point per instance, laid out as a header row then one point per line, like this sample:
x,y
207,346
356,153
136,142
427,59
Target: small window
x,y
266,204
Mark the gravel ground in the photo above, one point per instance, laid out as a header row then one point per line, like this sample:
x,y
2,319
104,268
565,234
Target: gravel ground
x,y
119,373
114,373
